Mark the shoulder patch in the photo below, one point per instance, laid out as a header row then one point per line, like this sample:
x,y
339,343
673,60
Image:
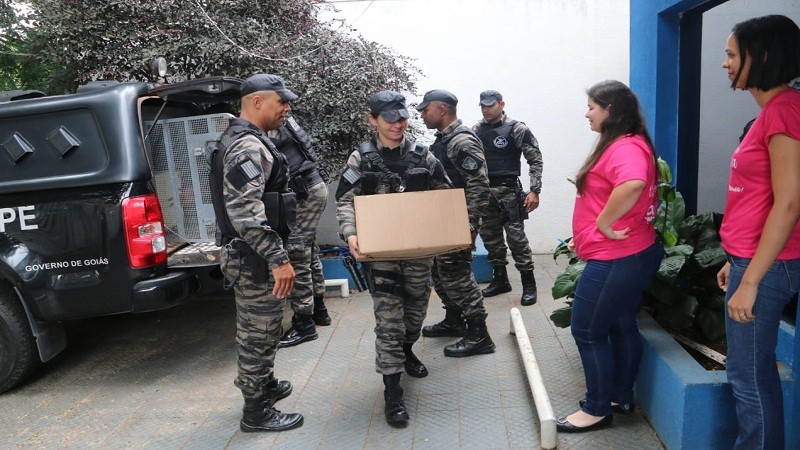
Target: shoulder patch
x,y
249,170
351,175
469,164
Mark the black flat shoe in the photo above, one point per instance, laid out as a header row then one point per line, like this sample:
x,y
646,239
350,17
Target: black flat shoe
x,y
564,426
619,408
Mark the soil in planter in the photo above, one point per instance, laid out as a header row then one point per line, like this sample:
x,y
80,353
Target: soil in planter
x,y
703,360
789,315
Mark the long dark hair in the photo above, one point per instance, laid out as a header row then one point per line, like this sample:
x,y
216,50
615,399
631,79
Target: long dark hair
x,y
772,44
624,117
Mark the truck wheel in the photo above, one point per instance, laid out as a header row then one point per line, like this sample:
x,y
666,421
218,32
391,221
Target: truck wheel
x,y
18,355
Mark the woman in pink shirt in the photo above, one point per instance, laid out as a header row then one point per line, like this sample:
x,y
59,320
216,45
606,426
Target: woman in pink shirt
x,y
613,232
760,231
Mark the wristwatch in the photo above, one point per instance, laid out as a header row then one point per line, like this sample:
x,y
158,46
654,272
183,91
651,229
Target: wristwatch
x,y
537,187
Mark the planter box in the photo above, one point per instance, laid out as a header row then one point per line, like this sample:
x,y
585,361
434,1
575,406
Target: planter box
x,y
688,406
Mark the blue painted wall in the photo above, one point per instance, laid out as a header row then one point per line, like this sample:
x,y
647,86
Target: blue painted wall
x,y
654,71
665,75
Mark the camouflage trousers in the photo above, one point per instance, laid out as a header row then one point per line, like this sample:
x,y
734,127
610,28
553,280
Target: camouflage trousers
x,y
455,284
400,303
259,317
492,234
317,276
304,252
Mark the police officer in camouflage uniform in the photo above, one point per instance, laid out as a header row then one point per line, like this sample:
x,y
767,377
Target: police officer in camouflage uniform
x,y
461,153
504,141
400,290
308,183
255,214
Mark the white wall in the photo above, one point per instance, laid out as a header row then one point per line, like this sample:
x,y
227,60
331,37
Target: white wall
x,y
541,55
724,112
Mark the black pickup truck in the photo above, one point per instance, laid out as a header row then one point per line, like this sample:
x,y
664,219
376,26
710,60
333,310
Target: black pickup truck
x,y
104,206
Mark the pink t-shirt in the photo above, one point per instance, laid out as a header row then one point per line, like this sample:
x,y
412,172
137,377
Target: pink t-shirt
x,y
628,158
750,185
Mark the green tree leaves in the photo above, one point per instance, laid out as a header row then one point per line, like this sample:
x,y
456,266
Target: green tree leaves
x,y
333,72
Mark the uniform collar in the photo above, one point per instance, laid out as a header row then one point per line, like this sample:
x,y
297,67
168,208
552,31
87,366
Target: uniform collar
x,y
450,128
382,147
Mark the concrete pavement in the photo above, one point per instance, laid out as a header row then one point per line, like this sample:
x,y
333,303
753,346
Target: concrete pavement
x,y
165,380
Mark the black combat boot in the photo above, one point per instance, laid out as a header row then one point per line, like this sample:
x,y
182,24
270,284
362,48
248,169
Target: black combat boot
x,y
302,330
499,284
528,287
476,342
395,409
276,390
413,365
452,325
320,315
258,417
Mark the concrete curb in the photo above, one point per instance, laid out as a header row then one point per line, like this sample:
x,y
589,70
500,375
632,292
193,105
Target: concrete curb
x,y
544,408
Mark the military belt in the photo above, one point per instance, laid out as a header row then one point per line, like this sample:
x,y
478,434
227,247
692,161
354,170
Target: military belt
x,y
503,181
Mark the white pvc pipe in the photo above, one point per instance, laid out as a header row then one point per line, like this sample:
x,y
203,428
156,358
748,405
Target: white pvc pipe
x,y
547,418
344,286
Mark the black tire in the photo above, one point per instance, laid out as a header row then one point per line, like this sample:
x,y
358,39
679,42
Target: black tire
x,y
18,354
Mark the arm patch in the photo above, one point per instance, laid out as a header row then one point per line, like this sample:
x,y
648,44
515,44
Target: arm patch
x,y
468,163
245,172
249,170
351,175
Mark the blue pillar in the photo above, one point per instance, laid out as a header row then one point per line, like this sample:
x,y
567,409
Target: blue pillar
x,y
665,65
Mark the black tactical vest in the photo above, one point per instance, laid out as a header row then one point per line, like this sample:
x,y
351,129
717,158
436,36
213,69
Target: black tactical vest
x,y
392,166
439,150
500,148
276,181
295,144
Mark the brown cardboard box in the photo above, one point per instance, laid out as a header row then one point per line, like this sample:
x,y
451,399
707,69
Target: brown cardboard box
x,y
411,224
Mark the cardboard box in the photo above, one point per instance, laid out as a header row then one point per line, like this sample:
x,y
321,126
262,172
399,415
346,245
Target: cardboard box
x,y
412,224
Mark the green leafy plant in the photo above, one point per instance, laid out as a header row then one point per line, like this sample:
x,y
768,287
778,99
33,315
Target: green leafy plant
x,y
54,45
684,293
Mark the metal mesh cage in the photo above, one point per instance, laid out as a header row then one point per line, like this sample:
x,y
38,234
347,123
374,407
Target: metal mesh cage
x,y
180,172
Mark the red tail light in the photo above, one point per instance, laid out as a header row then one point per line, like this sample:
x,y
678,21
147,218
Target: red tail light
x,y
144,231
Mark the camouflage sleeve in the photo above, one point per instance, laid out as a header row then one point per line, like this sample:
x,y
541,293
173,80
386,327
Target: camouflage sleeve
x,y
245,164
439,178
349,187
526,141
466,152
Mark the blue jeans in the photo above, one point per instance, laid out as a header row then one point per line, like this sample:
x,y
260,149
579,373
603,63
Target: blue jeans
x,y
607,299
751,365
